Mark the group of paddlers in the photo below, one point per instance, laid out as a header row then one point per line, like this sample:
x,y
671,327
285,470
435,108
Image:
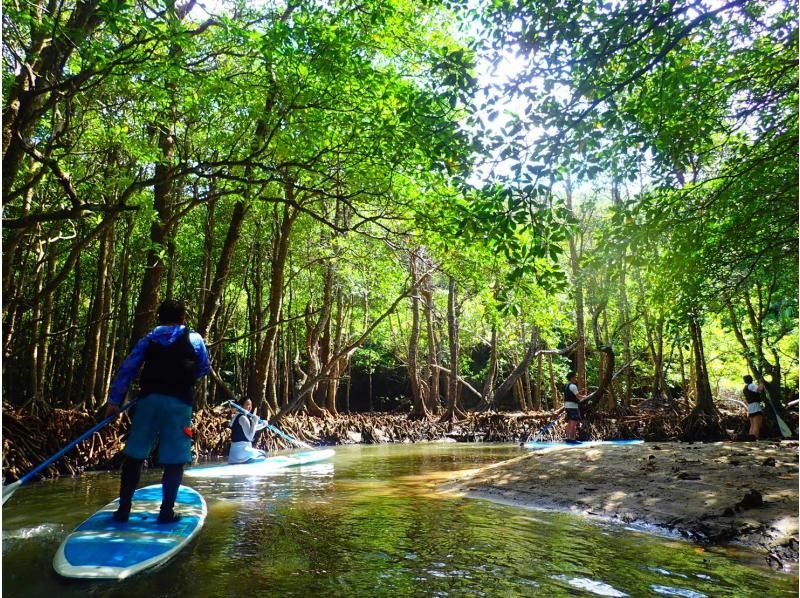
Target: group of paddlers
x,y
753,395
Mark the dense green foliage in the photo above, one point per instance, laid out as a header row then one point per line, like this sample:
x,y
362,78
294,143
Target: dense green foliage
x,y
339,187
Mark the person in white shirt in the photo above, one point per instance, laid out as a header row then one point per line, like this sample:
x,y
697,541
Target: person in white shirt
x,y
752,396
243,430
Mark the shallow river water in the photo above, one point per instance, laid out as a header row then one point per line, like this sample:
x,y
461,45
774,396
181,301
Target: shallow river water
x,y
370,523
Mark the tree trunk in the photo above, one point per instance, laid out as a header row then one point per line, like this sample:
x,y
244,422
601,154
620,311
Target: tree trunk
x,y
214,296
105,347
453,411
518,371
145,310
433,359
91,350
703,422
341,364
577,281
526,382
537,397
280,251
684,382
488,384
44,334
553,387
420,408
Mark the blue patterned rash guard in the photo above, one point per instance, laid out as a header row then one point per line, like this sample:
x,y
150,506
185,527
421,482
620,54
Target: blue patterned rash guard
x,y
163,335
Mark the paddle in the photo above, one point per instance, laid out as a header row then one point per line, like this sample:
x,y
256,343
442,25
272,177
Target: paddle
x,y
272,428
786,432
9,489
559,413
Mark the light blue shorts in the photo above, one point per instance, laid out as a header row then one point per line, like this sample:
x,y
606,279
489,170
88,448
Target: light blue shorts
x,y
163,417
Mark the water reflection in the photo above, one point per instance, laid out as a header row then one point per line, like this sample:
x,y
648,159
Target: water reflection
x,y
371,523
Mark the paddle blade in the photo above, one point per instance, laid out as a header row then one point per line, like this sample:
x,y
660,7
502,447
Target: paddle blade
x,y
10,489
785,431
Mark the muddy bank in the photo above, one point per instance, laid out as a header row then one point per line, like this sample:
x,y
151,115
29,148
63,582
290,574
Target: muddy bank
x,y
715,493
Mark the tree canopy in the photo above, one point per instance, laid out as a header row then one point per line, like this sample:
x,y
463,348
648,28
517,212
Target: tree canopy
x,y
458,190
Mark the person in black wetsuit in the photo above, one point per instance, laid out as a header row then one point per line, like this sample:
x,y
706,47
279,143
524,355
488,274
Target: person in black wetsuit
x,y
173,358
571,406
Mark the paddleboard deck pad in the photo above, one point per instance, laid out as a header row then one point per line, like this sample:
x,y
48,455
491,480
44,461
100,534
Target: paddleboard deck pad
x,y
101,548
587,444
262,467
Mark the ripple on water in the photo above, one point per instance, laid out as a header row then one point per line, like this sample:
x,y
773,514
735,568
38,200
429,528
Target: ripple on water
x,y
670,591
45,530
666,572
591,585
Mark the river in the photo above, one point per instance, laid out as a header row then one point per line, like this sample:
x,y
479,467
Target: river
x,y
371,523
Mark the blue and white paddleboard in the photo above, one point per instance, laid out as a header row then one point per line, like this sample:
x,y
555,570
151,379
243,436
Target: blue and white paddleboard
x,y
262,467
587,444
101,548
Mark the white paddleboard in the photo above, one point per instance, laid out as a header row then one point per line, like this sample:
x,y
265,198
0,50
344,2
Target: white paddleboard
x,y
262,467
101,548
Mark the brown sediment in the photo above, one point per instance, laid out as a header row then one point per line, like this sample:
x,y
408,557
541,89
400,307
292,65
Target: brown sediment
x,y
711,493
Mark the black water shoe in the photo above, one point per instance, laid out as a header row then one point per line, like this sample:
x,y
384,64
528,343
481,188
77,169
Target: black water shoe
x,y
121,515
168,518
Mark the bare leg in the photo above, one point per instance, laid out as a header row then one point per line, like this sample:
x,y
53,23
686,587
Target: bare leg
x,y
571,430
757,426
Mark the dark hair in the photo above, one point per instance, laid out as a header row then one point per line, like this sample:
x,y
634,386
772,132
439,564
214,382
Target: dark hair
x,y
748,379
571,375
171,311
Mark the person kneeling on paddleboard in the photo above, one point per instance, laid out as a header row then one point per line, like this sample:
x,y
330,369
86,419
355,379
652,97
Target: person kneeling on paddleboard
x,y
243,430
571,406
174,359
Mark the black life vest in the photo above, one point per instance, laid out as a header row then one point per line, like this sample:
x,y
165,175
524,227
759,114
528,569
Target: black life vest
x,y
751,396
569,396
237,433
170,369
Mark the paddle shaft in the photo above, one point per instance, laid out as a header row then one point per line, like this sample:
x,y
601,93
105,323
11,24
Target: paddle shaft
x,y
272,428
36,470
559,413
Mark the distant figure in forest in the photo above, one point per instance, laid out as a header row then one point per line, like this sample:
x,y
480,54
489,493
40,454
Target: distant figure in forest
x,y
571,406
243,431
174,358
752,396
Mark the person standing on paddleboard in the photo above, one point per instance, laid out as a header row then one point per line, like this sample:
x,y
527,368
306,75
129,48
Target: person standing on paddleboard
x,y
752,396
243,431
172,359
571,406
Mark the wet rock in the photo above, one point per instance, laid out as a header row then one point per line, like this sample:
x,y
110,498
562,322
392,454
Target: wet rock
x,y
768,462
752,500
685,475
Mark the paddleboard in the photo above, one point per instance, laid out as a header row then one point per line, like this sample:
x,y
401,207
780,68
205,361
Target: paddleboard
x,y
101,548
262,467
588,443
